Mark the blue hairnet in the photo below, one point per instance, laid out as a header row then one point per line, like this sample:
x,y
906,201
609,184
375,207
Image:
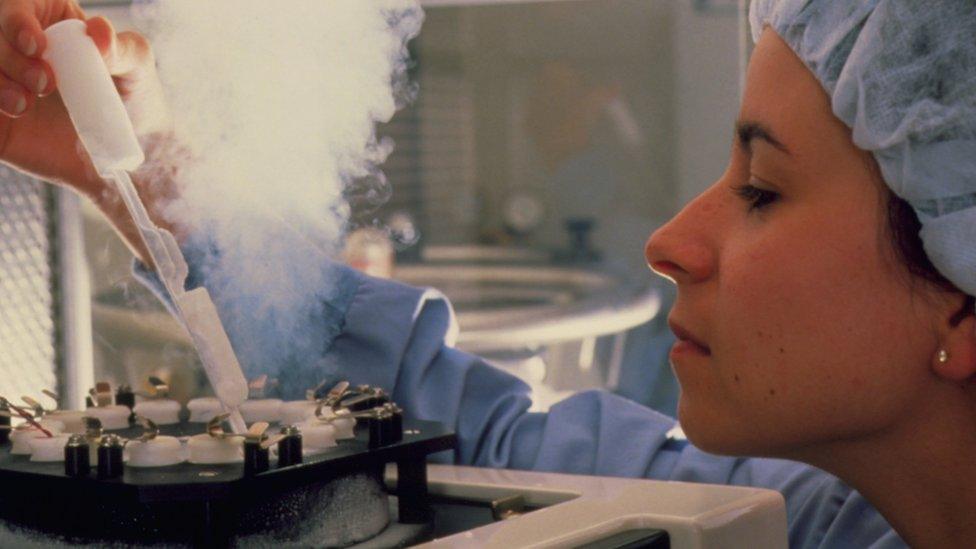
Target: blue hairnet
x,y
902,75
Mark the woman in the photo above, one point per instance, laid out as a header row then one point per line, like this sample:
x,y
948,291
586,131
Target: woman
x,y
812,325
805,333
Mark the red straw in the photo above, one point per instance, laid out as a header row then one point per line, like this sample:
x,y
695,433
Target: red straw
x,y
30,419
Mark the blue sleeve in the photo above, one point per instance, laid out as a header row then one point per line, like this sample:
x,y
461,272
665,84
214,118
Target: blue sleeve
x,y
398,337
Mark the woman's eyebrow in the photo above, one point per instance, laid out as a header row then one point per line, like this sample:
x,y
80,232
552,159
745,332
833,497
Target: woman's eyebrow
x,y
747,130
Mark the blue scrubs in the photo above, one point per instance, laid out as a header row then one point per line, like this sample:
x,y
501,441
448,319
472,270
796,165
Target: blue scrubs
x,y
398,337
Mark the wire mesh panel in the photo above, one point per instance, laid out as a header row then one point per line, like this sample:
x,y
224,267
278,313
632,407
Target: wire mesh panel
x,y
28,331
433,166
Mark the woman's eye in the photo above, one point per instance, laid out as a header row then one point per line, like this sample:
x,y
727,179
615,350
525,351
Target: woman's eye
x,y
756,197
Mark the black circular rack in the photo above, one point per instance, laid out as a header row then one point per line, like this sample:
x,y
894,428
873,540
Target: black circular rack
x,y
208,505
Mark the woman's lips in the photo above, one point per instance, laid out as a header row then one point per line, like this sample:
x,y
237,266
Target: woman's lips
x,y
687,343
685,347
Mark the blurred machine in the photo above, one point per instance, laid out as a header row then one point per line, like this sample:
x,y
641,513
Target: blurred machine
x,y
341,497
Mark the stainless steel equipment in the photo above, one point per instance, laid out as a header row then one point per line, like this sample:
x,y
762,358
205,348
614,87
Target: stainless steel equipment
x,y
561,327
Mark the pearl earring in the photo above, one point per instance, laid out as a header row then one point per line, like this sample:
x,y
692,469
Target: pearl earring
x,y
943,356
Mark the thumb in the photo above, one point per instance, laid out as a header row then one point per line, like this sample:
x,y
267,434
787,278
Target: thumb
x,y
126,54
131,63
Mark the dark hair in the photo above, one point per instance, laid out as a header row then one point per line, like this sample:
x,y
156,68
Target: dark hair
x,y
904,226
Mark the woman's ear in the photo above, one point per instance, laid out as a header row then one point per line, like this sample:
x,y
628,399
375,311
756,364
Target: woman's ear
x,y
955,360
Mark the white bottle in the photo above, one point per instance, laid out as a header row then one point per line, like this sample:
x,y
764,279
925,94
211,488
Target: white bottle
x,y
90,96
105,130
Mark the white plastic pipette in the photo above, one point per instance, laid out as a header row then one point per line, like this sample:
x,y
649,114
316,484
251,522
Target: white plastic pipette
x,y
97,112
195,308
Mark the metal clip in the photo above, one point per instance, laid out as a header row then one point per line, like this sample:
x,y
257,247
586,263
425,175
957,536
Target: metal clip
x,y
344,399
332,398
362,393
93,427
31,422
93,432
268,442
256,431
53,396
160,389
215,429
101,394
39,410
312,394
150,430
258,435
261,386
379,412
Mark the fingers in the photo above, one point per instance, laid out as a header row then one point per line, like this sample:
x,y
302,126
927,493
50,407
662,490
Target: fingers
x,y
32,74
131,63
102,33
133,55
71,10
21,80
14,99
21,28
22,24
126,54
23,75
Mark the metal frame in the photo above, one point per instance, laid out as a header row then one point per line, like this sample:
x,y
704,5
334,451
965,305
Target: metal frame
x,y
76,368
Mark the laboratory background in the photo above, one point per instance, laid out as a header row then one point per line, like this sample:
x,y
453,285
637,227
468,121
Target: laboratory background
x,y
545,142
538,145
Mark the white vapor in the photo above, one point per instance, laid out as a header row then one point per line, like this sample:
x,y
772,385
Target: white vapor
x,y
277,104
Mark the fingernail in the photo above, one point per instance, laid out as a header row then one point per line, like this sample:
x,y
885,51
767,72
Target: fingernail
x,y
27,43
36,79
12,102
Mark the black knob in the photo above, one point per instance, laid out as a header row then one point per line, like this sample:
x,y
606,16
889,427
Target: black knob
x,y
396,425
385,426
290,447
580,247
77,462
125,396
256,458
110,457
375,425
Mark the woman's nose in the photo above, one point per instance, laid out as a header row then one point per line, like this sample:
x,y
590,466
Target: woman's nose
x,y
682,250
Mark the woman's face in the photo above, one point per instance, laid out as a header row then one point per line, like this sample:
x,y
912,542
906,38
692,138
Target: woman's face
x,y
809,330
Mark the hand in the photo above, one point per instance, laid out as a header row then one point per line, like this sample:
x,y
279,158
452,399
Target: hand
x,y
36,134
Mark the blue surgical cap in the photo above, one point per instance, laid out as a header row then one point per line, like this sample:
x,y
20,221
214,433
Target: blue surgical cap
x,y
902,75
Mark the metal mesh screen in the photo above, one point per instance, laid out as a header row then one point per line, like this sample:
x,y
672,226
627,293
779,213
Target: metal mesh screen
x,y
28,333
433,166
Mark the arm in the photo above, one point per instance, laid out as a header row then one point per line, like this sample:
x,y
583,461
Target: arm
x,y
397,337
36,135
391,335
